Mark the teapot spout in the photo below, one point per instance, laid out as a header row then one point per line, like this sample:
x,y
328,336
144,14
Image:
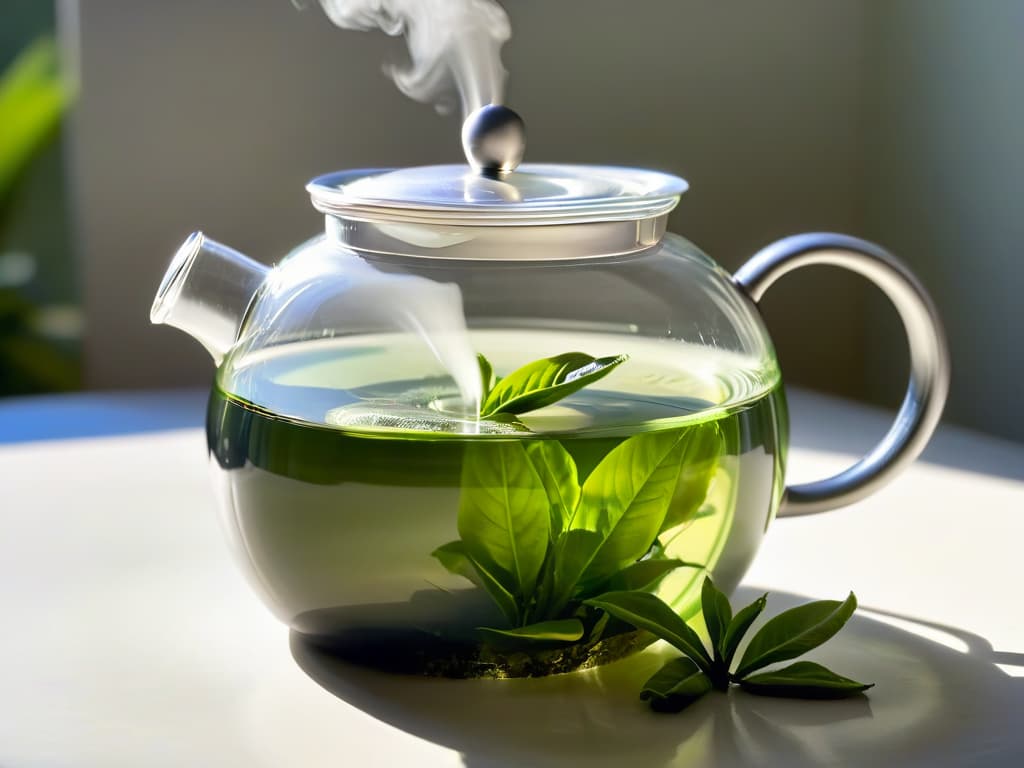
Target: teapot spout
x,y
206,292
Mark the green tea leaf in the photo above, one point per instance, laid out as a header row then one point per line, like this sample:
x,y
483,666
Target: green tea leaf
x,y
536,606
675,686
504,599
546,381
794,632
557,472
486,376
599,627
803,680
704,446
504,514
620,512
455,560
626,497
562,631
738,627
717,615
645,574
573,552
645,611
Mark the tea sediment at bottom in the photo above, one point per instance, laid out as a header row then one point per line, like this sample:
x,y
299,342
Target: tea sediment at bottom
x,y
341,468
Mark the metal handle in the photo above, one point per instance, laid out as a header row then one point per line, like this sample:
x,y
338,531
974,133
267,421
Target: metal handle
x,y
929,360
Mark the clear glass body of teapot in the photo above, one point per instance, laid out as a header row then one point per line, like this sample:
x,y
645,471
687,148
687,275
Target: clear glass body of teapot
x,y
341,469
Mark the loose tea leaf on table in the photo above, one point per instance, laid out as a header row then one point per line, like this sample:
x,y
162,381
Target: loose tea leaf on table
x,y
803,680
717,616
679,683
683,680
794,632
738,627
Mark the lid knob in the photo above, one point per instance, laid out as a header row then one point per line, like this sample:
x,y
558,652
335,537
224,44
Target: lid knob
x,y
494,139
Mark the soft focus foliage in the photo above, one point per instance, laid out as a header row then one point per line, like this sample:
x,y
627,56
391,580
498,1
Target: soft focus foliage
x,y
33,97
32,100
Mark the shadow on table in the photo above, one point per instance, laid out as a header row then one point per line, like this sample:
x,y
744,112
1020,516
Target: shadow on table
x,y
933,705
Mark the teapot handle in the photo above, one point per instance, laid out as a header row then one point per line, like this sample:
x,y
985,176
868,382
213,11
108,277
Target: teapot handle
x,y
929,360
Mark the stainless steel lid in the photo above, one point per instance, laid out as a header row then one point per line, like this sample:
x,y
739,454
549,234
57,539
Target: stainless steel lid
x,y
484,209
534,194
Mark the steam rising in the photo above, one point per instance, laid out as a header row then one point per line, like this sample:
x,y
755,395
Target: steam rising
x,y
454,46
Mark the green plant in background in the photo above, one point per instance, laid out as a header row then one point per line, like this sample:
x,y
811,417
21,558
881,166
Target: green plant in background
x,y
538,540
683,680
33,97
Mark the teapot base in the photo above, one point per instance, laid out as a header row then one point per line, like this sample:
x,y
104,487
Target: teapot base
x,y
412,652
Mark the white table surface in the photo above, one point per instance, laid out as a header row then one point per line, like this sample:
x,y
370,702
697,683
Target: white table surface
x,y
130,639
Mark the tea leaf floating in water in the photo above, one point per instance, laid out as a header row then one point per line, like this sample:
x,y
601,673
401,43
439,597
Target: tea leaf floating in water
x,y
544,382
683,680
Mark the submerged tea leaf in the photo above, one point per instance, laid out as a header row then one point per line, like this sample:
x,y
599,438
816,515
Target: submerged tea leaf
x,y
557,472
572,554
546,381
625,500
675,686
803,680
501,596
455,560
562,630
645,574
621,509
703,448
504,514
717,615
599,627
795,632
645,611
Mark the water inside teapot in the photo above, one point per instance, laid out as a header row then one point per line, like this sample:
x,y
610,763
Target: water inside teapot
x,y
395,381
343,472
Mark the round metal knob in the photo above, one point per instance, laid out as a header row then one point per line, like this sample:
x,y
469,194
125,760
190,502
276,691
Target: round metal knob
x,y
494,138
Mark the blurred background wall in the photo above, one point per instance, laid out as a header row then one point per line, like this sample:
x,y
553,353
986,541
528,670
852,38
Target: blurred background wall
x,y
897,120
945,171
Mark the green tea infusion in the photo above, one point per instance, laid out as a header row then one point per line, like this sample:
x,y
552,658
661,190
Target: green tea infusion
x,y
385,521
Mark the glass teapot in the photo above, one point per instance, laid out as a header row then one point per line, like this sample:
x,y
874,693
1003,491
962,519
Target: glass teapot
x,y
486,394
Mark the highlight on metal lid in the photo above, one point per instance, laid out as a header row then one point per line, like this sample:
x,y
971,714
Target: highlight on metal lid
x,y
494,140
